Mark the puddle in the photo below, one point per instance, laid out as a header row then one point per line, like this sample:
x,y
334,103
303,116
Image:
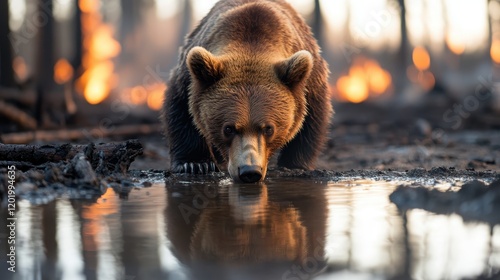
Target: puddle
x,y
286,229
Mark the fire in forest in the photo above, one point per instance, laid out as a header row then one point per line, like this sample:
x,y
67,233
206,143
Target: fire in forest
x,y
366,78
419,72
152,95
99,49
20,68
495,51
63,71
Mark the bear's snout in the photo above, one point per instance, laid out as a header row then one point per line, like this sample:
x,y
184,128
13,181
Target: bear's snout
x,y
247,162
250,173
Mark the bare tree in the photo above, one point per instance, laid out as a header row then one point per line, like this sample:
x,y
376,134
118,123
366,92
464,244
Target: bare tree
x,y
76,61
490,30
403,53
129,21
44,74
187,18
317,24
49,110
6,70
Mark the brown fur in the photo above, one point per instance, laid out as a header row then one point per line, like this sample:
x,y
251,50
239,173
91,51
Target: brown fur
x,y
247,226
251,65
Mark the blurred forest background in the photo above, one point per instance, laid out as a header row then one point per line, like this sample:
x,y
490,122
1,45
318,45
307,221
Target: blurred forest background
x,y
76,63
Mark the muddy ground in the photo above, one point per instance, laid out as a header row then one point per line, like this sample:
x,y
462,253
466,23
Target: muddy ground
x,y
392,137
366,148
365,141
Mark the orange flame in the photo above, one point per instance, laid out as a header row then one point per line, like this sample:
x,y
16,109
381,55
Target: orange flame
x,y
421,58
365,78
426,80
98,78
353,89
151,95
419,73
20,68
89,6
102,44
63,71
155,97
495,51
93,215
138,95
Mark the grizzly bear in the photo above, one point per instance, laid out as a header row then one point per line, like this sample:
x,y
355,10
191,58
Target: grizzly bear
x,y
255,232
250,82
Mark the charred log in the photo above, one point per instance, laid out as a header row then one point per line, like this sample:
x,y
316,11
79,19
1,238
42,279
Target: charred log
x,y
17,116
6,58
76,134
104,158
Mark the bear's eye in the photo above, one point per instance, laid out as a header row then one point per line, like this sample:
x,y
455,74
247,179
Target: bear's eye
x,y
229,130
269,131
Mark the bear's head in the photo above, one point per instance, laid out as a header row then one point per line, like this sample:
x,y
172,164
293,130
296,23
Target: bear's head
x,y
248,106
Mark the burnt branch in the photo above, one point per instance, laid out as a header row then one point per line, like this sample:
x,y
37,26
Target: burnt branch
x,y
104,158
76,134
17,116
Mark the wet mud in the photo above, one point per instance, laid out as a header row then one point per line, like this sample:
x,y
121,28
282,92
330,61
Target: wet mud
x,y
308,225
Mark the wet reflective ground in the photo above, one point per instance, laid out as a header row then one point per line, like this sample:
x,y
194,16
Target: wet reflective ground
x,y
284,229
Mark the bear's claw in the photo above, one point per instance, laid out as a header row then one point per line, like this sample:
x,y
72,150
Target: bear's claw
x,y
195,168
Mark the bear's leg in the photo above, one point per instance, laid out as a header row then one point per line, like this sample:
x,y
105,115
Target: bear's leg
x,y
303,151
189,152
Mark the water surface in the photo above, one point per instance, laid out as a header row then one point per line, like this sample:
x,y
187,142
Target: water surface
x,y
283,229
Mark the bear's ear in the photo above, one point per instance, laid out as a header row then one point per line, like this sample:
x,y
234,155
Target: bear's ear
x,y
204,67
295,70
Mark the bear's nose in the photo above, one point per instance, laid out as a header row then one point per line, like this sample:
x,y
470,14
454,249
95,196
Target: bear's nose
x,y
250,173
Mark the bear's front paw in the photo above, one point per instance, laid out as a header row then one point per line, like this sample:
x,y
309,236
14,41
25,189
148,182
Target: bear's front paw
x,y
194,167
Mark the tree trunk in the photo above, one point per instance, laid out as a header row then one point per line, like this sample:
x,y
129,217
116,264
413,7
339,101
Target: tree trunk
x,y
187,18
6,70
45,48
317,25
129,21
50,108
76,62
403,53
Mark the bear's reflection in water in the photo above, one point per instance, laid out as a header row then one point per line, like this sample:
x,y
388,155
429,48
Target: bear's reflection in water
x,y
248,231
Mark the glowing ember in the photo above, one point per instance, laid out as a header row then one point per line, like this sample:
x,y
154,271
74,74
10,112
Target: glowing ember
x,y
94,215
99,81
421,58
495,51
354,89
98,78
63,71
378,79
88,6
419,72
426,80
138,95
155,97
103,45
365,78
151,95
20,68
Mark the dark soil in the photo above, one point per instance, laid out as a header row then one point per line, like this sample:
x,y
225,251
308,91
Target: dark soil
x,y
352,148
366,142
390,137
475,201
